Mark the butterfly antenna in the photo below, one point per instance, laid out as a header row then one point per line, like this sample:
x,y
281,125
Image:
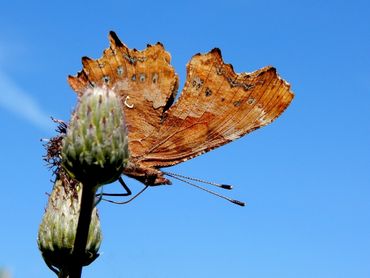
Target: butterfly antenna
x,y
223,186
242,204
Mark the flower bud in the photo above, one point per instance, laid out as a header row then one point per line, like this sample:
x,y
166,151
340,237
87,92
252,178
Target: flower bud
x,y
95,147
57,230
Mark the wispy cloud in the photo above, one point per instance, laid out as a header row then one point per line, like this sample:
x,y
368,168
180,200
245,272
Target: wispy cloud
x,y
16,100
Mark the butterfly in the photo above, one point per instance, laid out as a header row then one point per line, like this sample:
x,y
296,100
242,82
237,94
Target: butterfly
x,y
215,107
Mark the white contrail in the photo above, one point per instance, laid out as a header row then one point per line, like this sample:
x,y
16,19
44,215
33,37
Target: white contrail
x,y
16,100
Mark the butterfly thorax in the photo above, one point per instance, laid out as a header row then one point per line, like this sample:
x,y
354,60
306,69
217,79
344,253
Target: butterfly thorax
x,y
147,175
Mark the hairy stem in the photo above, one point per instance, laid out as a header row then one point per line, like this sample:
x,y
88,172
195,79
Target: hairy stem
x,y
87,206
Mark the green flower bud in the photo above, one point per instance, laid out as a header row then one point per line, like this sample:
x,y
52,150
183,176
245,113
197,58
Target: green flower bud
x,y
57,230
4,273
95,147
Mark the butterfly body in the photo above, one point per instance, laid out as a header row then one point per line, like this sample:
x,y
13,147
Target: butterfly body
x,y
147,175
216,105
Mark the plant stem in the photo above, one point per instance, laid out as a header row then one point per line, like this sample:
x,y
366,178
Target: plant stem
x,y
63,274
79,249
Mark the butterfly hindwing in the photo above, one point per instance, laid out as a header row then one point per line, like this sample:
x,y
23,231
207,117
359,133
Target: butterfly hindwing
x,y
215,107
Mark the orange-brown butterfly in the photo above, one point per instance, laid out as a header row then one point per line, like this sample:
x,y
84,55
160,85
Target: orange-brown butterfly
x,y
216,105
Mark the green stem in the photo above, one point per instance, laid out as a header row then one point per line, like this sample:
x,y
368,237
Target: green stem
x,y
79,248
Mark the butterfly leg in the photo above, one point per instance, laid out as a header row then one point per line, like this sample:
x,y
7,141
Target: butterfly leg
x,y
128,193
52,268
121,181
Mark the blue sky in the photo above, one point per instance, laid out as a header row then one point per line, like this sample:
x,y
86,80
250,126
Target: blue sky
x,y
306,177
